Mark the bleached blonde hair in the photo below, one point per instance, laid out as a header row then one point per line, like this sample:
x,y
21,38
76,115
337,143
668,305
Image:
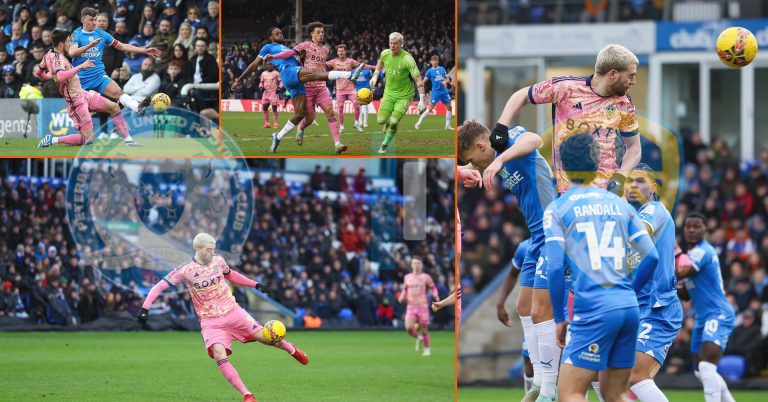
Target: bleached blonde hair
x,y
614,57
201,240
396,36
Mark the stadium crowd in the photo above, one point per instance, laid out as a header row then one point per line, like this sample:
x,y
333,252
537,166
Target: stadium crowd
x,y
732,194
365,34
186,31
340,260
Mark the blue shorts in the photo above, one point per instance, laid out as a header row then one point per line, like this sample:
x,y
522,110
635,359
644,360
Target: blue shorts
x,y
527,271
290,78
440,97
603,340
658,329
98,84
715,329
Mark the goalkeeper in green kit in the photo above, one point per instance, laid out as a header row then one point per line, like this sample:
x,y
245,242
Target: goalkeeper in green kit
x,y
399,67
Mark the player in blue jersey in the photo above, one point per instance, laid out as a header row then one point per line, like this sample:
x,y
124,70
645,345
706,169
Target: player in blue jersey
x,y
588,228
714,315
293,76
440,82
96,78
661,314
363,81
525,173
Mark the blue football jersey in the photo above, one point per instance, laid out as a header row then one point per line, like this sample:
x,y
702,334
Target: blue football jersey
x,y
591,228
660,290
81,38
275,48
519,256
706,286
363,80
530,179
437,77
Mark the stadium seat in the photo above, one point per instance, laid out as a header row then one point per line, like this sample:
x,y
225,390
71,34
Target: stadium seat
x,y
346,314
732,367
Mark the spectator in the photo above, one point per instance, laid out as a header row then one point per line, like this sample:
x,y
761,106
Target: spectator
x,y
47,38
121,15
25,18
211,21
64,22
206,70
185,39
746,341
67,8
193,17
18,39
148,15
21,65
36,35
144,39
11,84
173,81
43,19
145,83
172,13
163,35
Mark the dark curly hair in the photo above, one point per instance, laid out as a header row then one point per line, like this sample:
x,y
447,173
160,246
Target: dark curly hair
x,y
580,156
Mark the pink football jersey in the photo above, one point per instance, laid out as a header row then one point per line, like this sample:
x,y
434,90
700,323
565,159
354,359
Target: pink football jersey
x,y
578,109
270,80
416,287
55,62
211,294
314,59
348,64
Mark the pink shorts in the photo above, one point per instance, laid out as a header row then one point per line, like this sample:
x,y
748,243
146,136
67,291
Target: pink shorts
x,y
348,94
419,314
317,96
235,325
80,110
270,97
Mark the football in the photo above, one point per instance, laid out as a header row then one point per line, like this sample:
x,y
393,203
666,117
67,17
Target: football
x,y
161,102
274,331
364,96
736,47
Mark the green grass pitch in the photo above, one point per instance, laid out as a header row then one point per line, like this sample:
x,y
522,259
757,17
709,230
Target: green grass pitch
x,y
483,394
246,130
173,366
179,147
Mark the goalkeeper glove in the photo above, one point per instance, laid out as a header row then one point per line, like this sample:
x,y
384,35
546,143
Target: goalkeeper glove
x,y
143,316
262,289
500,137
616,184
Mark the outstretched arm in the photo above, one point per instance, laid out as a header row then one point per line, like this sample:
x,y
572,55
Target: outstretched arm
x,y
240,280
285,54
251,68
154,293
513,106
151,51
375,77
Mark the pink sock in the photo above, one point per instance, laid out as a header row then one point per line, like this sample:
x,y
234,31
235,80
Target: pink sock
x,y
275,113
632,396
266,116
425,335
413,332
286,346
231,375
119,121
72,139
334,125
357,111
340,112
303,124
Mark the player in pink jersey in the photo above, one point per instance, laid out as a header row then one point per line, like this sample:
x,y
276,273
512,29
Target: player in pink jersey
x,y
315,55
269,81
345,89
79,102
598,104
221,318
415,287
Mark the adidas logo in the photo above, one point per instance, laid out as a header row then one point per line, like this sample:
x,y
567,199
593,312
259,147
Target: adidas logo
x,y
498,137
577,106
196,274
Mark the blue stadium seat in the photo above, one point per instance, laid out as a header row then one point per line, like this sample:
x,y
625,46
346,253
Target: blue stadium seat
x,y
346,314
732,367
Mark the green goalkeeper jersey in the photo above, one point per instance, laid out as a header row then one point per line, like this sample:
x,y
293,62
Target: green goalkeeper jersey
x,y
398,71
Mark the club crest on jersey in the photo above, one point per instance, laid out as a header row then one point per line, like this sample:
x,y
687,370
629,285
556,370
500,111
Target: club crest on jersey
x,y
610,111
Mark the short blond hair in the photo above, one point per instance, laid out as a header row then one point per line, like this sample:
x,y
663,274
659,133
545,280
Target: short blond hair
x,y
614,57
201,240
396,36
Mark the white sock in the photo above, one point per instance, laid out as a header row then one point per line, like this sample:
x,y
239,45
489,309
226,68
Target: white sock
x,y
711,380
55,140
335,75
549,355
527,383
532,342
596,388
129,102
448,115
648,391
285,130
423,116
725,393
